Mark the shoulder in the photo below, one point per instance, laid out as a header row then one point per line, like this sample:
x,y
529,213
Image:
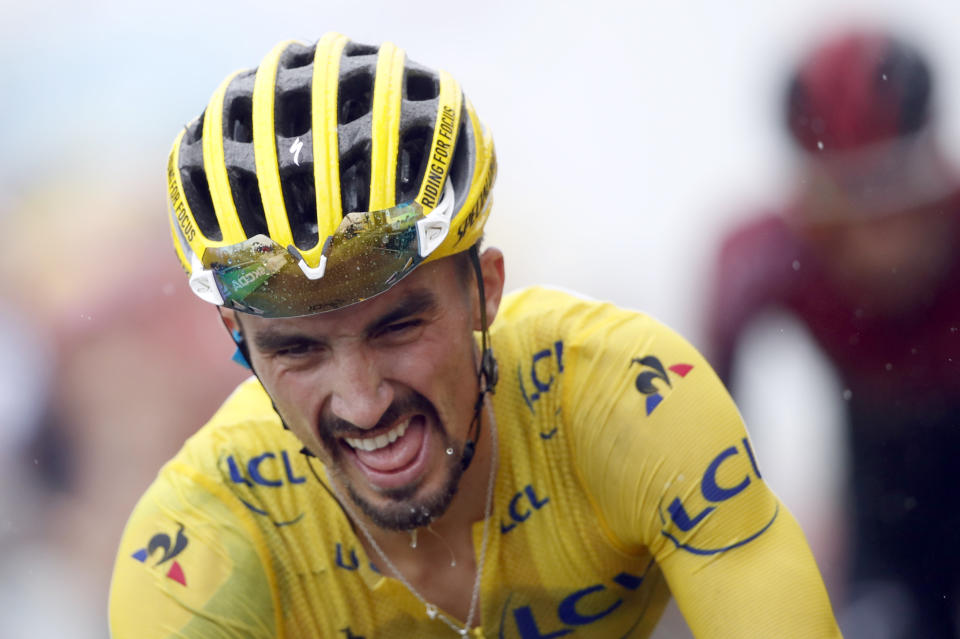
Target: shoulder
x,y
550,331
759,264
762,247
604,366
593,342
579,321
543,309
190,542
244,423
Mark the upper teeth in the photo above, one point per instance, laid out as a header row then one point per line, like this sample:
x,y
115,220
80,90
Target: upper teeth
x,y
376,443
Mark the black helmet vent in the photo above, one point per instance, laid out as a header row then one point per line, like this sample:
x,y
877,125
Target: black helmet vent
x,y
355,97
411,162
299,196
239,124
246,197
293,113
354,49
296,56
201,204
422,86
194,130
355,179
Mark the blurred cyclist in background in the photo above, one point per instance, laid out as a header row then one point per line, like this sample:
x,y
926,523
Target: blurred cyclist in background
x,y
367,481
866,253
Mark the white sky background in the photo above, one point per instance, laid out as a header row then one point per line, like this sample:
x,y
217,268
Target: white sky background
x,y
628,136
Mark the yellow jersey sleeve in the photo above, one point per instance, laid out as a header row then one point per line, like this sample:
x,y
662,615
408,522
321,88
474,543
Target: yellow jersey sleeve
x,y
667,463
190,565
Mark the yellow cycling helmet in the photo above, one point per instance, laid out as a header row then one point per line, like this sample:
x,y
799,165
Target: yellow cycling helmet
x,y
324,176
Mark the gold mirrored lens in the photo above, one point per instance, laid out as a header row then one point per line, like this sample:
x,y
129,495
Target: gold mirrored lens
x,y
369,253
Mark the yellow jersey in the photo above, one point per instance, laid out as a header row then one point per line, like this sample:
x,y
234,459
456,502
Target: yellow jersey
x,y
625,474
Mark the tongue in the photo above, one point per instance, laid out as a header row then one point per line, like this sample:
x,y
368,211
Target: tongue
x,y
397,455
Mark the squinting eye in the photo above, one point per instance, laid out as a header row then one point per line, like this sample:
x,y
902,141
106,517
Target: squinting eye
x,y
295,350
403,326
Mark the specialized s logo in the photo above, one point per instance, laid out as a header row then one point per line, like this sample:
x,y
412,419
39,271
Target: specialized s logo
x,y
171,549
654,371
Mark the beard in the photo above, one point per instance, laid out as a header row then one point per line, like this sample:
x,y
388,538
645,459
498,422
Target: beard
x,y
405,509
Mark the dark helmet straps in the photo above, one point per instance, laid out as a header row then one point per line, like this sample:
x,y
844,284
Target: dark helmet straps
x,y
488,372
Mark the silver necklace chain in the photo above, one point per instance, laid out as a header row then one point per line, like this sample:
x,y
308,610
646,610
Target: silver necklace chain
x,y
431,610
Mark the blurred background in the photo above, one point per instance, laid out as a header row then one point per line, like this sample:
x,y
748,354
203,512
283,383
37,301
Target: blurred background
x,y
631,138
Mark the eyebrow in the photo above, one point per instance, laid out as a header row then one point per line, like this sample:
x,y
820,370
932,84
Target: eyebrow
x,y
271,340
417,301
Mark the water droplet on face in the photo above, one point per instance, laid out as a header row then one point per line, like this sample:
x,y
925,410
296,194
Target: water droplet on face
x,y
820,144
450,451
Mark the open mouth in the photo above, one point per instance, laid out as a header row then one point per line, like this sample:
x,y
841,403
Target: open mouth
x,y
393,458
381,441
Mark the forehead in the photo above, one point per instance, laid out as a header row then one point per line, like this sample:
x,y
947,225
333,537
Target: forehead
x,y
434,284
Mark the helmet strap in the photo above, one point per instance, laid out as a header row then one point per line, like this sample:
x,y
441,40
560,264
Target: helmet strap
x,y
487,373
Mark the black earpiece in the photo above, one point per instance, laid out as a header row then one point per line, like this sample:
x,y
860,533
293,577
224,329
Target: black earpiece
x,y
468,450
490,370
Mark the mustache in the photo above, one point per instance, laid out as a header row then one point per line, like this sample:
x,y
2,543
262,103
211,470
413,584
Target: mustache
x,y
332,426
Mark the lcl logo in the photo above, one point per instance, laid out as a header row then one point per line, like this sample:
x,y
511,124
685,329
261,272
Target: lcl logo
x,y
716,495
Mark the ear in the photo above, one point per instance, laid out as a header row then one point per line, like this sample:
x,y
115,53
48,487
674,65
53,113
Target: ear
x,y
491,266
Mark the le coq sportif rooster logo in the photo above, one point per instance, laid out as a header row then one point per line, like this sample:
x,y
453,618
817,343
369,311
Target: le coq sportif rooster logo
x,y
170,549
654,372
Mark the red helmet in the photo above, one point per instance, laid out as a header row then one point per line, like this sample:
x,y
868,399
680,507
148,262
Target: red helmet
x,y
857,89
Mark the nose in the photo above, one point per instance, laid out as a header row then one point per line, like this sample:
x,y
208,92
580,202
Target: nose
x,y
360,395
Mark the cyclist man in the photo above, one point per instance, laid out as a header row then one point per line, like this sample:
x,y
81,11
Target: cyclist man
x,y
865,254
367,481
